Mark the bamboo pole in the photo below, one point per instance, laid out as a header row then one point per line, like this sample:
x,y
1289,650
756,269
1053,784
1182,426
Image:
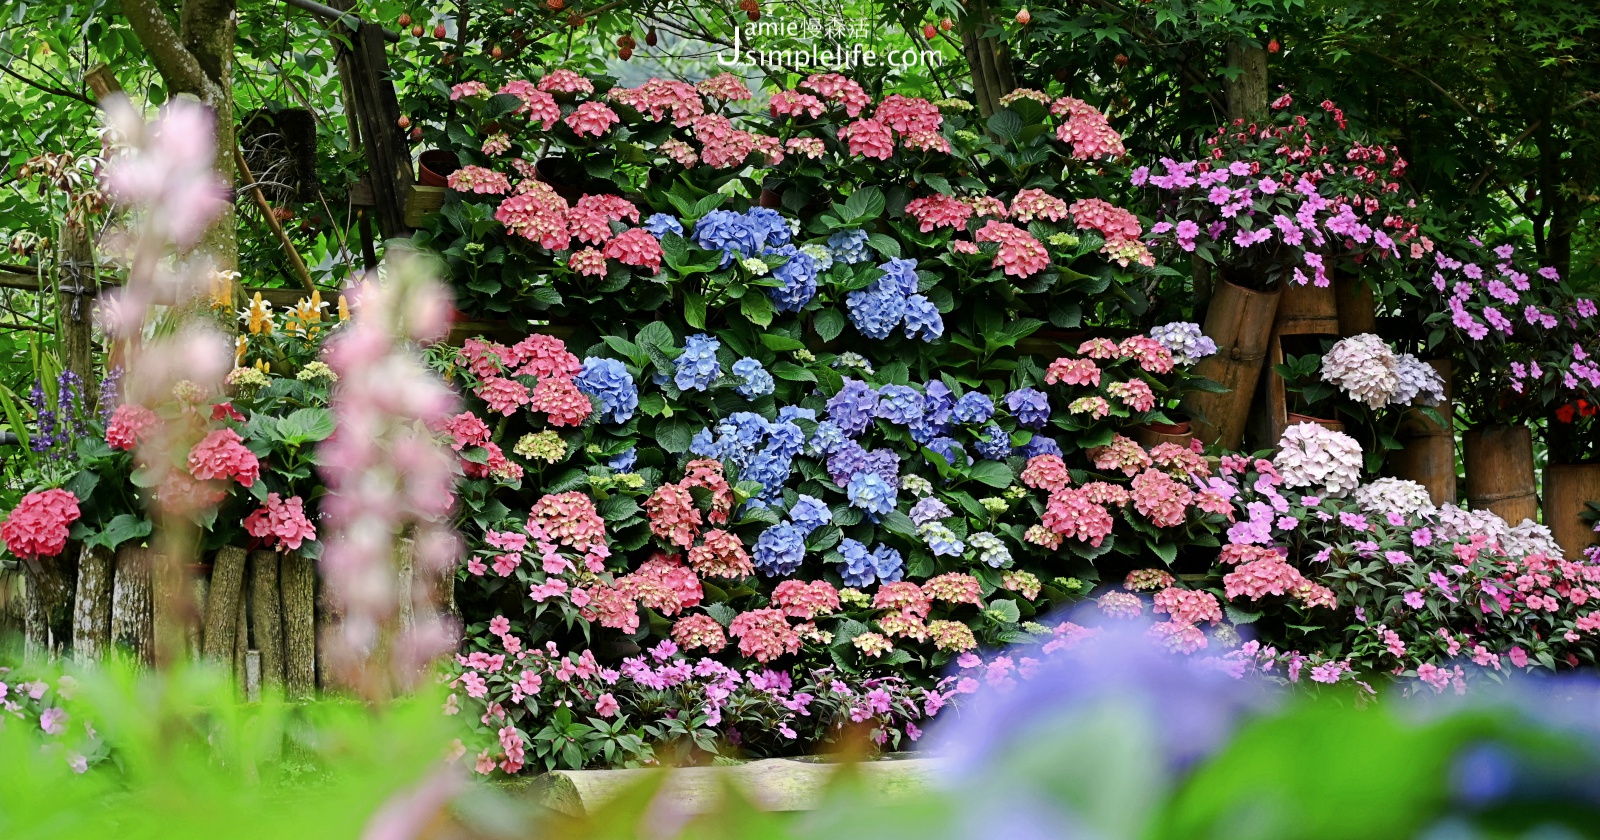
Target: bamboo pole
x,y
132,605
297,583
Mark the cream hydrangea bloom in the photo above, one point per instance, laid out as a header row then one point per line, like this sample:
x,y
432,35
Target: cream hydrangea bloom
x,y
1326,462
1364,367
1394,495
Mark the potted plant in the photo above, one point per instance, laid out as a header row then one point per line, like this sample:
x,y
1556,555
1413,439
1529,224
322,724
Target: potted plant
x,y
1263,208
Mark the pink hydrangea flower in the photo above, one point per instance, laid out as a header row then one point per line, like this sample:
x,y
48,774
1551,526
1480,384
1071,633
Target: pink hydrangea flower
x,y
1071,514
1070,371
699,631
764,635
636,247
281,523
559,398
588,262
38,526
130,425
1020,254
565,81
592,118
222,455
476,179
936,211
868,138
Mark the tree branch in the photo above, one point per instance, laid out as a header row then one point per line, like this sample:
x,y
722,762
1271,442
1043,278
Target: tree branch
x,y
172,60
53,91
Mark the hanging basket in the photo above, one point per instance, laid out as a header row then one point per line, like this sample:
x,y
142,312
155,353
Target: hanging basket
x,y
1568,490
1500,472
1239,320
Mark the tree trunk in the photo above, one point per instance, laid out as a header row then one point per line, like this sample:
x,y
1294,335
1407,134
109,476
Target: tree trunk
x,y
91,610
267,616
132,606
48,616
298,583
241,648
222,604
1247,91
76,298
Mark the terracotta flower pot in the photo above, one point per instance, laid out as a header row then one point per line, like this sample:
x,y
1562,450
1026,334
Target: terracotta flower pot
x,y
435,166
1151,435
1500,472
1239,320
1331,425
769,198
1568,490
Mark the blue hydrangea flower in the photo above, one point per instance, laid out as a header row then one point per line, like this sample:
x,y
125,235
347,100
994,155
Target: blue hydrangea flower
x,y
875,311
827,438
624,461
990,549
937,403
868,491
609,381
741,434
846,460
924,318
951,450
899,276
887,563
974,407
707,445
799,276
1029,406
899,404
769,225
859,569
785,438
821,254
697,365
993,443
734,234
1187,343
768,469
795,412
929,509
662,224
754,381
853,407
849,246
809,513
941,541
886,463
1040,445
779,550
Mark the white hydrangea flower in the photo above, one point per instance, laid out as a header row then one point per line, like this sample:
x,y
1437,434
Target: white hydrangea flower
x,y
1419,382
1459,525
1316,457
1364,367
1394,495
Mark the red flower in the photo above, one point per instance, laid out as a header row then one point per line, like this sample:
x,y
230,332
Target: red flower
x,y
1587,409
1564,413
226,411
39,524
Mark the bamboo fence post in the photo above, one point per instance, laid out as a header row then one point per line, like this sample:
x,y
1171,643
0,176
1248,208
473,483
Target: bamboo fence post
x,y
1240,321
266,616
223,604
298,583
91,607
132,605
1499,463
